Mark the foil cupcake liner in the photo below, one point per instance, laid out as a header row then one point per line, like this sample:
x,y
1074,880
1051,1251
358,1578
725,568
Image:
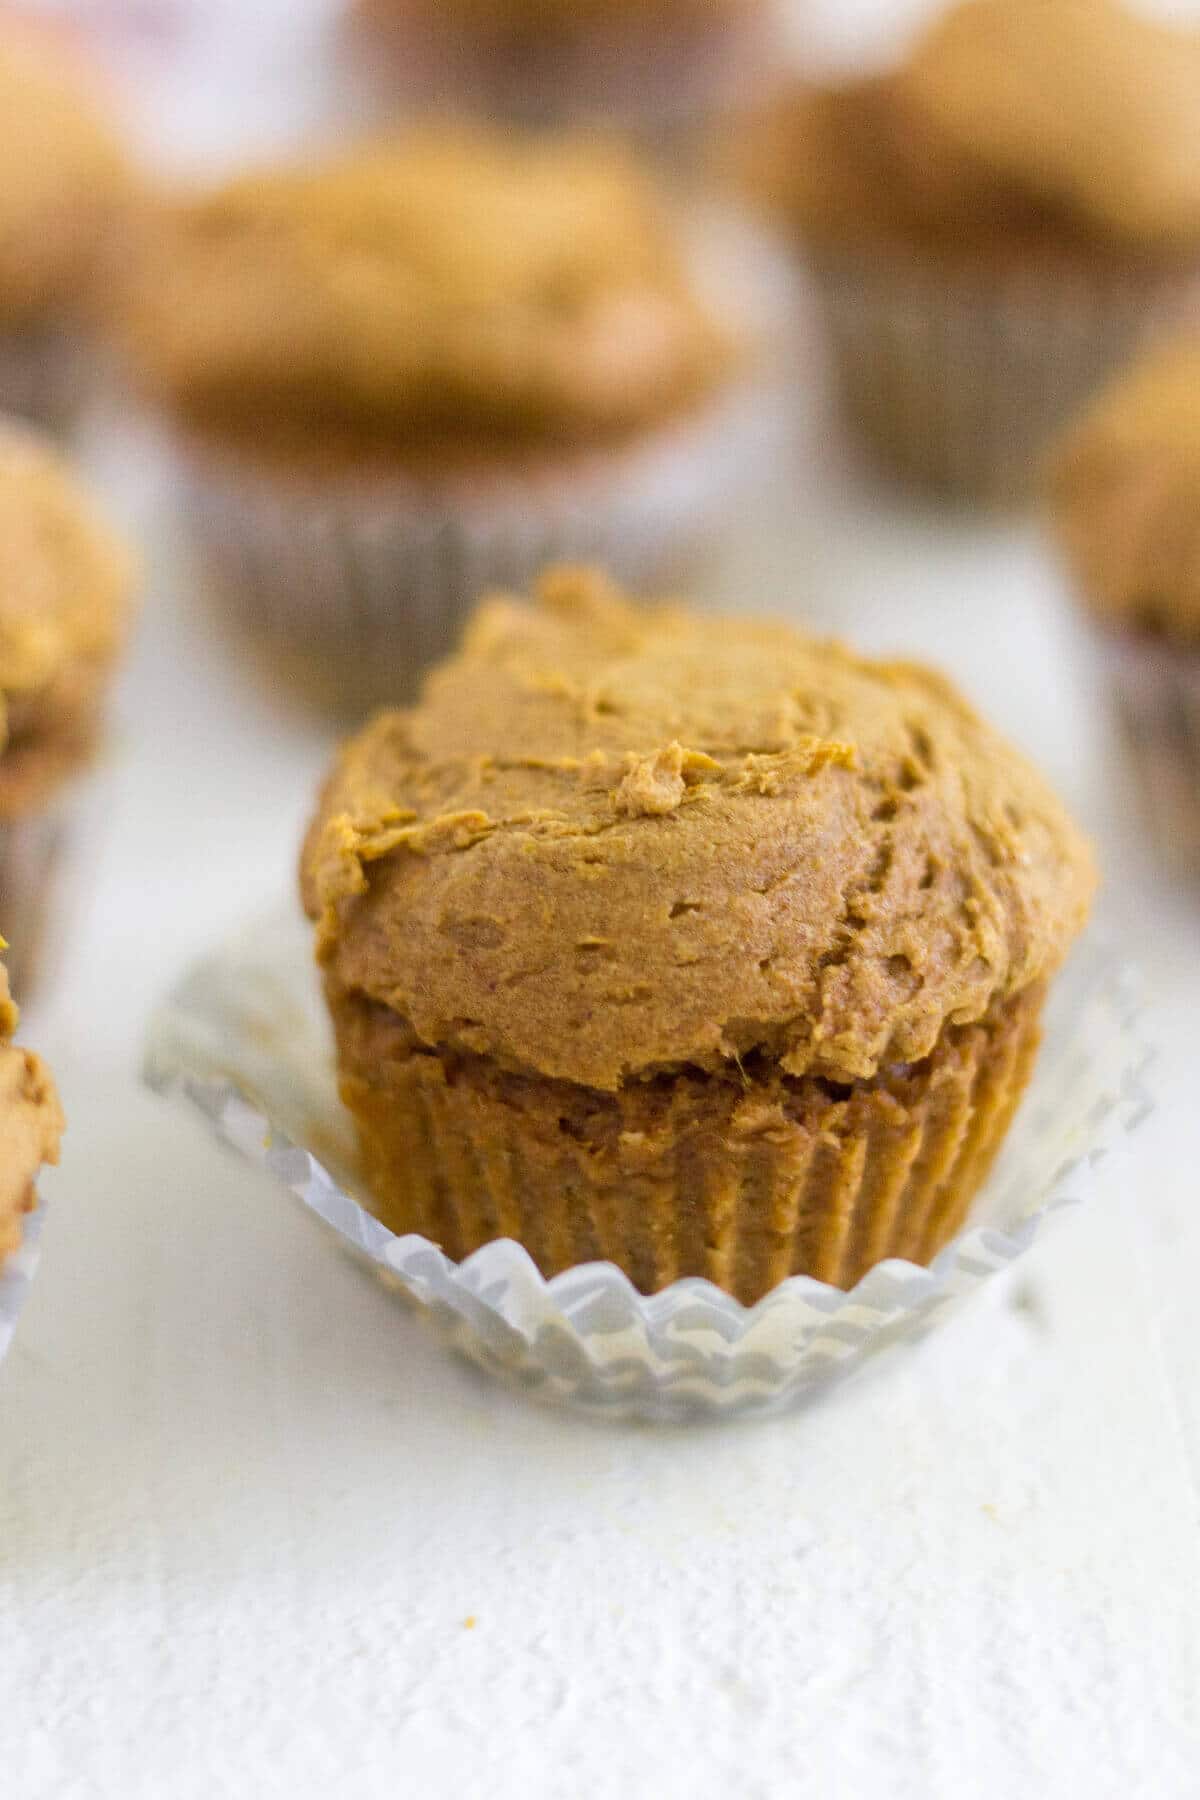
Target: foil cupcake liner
x,y
372,578
719,1181
17,1271
43,375
1156,691
959,384
245,1040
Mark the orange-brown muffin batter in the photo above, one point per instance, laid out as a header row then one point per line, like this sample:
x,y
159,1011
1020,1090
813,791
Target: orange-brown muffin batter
x,y
31,1124
633,890
446,281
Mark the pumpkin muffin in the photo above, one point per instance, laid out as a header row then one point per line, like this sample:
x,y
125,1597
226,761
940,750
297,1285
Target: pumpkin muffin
x,y
63,178
692,944
641,63
65,603
1124,504
425,368
31,1124
994,225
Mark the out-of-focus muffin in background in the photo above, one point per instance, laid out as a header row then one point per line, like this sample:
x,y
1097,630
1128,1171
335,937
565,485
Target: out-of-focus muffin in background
x,y
993,226
66,583
1123,497
64,179
429,365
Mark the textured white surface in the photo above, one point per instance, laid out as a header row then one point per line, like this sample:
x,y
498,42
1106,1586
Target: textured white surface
x,y
249,1511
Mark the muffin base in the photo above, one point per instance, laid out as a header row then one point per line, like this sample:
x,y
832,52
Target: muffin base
x,y
42,375
959,383
369,574
743,1179
649,77
32,859
1156,690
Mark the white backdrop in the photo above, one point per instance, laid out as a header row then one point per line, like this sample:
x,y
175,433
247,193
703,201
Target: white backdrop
x,y
260,1537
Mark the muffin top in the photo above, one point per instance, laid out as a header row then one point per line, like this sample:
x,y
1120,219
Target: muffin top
x,y
1015,127
434,284
1124,496
62,175
31,1123
65,601
612,842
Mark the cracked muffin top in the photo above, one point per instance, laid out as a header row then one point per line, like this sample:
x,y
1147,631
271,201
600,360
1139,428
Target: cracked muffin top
x,y
66,585
1013,127
612,842
62,174
443,281
31,1124
1124,496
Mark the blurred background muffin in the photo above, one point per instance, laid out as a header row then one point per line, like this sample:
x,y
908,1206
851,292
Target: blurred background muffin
x,y
428,366
648,64
31,1125
742,975
63,181
1124,500
65,603
993,225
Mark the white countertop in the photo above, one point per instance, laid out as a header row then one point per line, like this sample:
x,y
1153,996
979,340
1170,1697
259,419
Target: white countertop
x,y
260,1536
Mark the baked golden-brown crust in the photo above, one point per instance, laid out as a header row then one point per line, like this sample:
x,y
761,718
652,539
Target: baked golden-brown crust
x,y
1015,130
65,604
744,1176
612,843
31,1124
1124,496
446,281
62,176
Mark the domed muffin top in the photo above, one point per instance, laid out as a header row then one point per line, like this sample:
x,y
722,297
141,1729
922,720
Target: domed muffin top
x,y
444,281
611,842
1124,496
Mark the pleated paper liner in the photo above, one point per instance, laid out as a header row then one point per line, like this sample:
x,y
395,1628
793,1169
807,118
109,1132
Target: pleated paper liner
x,y
742,1182
45,374
32,867
245,1039
1156,690
957,384
660,80
373,576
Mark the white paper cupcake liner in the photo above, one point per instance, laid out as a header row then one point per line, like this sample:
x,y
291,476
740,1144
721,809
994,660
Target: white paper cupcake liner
x,y
373,577
959,385
16,1276
658,82
1156,689
46,864
245,1040
32,857
43,375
